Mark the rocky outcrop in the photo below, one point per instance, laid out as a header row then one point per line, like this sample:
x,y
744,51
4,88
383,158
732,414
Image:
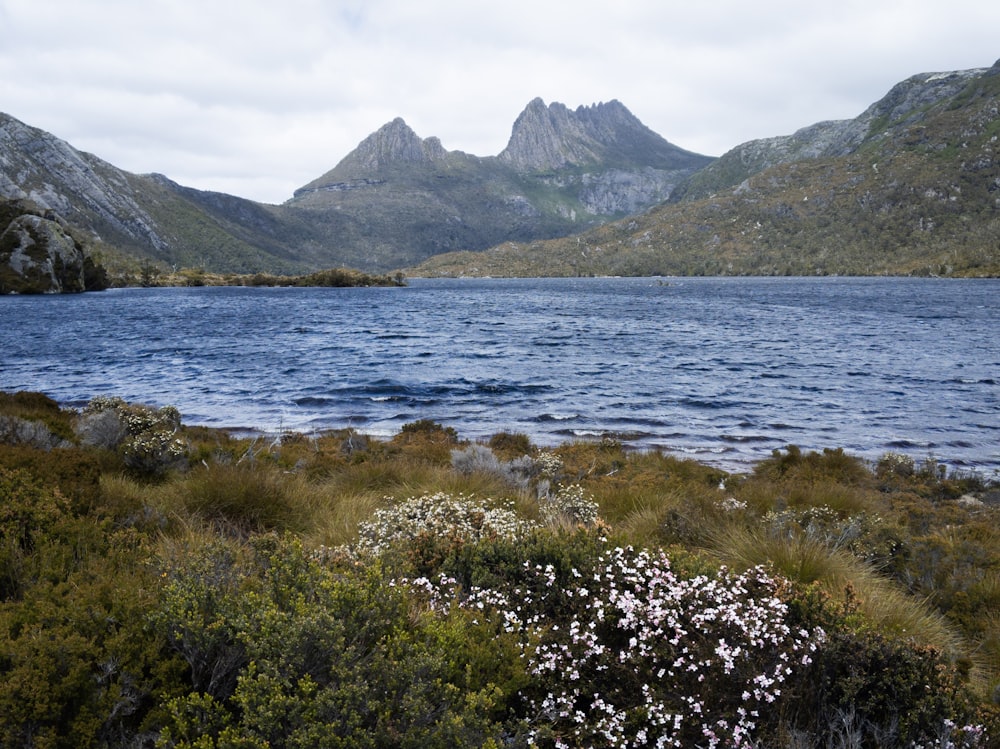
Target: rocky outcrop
x,y
38,255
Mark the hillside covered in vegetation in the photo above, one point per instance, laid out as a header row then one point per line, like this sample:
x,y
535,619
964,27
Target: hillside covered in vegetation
x,y
171,586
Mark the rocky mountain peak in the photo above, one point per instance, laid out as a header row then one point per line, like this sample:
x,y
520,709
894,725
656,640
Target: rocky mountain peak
x,y
548,137
393,143
555,137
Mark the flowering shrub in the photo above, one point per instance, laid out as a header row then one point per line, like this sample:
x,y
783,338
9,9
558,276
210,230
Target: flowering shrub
x,y
570,503
636,656
894,464
549,464
438,516
143,436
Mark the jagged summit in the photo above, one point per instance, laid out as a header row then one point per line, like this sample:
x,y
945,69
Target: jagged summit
x,y
555,137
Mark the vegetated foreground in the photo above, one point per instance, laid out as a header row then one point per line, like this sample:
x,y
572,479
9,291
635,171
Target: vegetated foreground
x,y
171,586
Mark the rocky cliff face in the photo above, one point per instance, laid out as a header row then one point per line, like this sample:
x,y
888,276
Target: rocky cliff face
x,y
393,147
83,189
606,136
397,196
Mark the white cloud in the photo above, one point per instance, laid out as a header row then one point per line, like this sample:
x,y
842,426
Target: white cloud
x,y
257,98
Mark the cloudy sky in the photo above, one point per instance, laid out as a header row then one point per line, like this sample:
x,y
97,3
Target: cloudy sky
x,y
258,97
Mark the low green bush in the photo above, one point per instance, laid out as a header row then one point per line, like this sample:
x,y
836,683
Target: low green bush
x,y
286,651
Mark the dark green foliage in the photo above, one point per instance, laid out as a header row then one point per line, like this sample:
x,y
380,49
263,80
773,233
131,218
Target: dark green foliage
x,y
137,613
284,651
74,472
866,690
28,513
77,665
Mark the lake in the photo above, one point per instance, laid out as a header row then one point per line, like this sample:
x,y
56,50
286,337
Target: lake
x,y
720,369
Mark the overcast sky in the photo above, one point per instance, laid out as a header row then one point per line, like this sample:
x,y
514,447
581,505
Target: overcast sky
x,y
258,97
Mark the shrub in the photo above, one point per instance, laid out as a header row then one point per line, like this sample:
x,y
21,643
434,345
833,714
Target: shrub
x,y
144,436
864,689
428,527
830,465
316,656
40,410
27,513
864,535
634,655
516,473
894,464
77,667
16,431
569,504
73,471
427,439
510,445
247,498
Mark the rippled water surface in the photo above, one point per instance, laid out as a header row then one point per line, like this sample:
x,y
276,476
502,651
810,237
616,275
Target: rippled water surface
x,y
721,369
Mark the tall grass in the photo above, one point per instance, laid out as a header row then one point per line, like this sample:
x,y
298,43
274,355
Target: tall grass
x,y
880,601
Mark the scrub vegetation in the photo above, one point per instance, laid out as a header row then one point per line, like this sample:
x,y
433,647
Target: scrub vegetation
x,y
172,586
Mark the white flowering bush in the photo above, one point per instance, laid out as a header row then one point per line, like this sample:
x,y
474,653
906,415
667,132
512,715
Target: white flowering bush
x,y
892,463
439,517
549,464
570,503
630,654
144,436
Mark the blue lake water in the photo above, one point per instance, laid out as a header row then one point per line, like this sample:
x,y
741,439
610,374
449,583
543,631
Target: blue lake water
x,y
723,370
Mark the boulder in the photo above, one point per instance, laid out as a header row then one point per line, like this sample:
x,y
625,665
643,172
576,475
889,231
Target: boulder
x,y
39,255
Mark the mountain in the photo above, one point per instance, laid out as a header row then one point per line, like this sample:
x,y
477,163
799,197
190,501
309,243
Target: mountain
x,y
912,185
397,195
147,216
394,201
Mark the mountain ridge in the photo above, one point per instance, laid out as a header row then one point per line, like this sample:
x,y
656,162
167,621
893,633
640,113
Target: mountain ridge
x,y
910,186
396,199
